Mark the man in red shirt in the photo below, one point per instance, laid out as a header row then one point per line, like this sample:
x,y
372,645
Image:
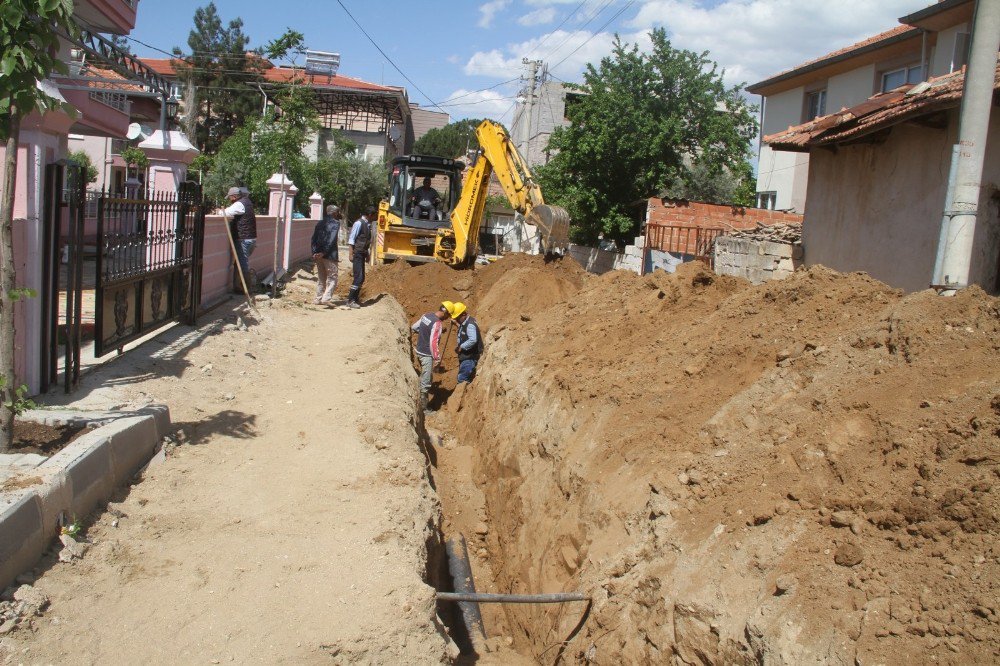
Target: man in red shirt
x,y
428,347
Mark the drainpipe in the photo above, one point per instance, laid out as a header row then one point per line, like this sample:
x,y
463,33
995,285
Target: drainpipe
x,y
958,225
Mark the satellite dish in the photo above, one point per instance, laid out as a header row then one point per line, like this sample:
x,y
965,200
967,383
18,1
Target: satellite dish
x,y
134,132
395,133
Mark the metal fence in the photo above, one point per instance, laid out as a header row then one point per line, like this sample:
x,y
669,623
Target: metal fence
x,y
696,242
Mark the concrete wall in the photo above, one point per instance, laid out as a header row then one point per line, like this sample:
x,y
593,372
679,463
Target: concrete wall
x,y
878,207
779,171
757,261
941,58
850,88
602,261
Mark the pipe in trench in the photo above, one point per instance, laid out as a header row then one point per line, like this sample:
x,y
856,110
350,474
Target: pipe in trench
x,y
490,598
465,585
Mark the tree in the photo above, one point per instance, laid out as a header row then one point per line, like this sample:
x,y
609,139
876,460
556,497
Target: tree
x,y
82,159
29,48
450,141
134,157
222,74
644,122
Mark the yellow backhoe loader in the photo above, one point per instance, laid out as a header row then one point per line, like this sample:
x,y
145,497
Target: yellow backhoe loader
x,y
438,221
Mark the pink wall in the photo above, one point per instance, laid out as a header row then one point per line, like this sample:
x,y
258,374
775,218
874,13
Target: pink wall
x,y
217,256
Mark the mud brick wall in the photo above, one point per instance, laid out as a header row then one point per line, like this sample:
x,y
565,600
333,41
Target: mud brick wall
x,y
757,261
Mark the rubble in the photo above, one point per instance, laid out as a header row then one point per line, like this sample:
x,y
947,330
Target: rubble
x,y
775,233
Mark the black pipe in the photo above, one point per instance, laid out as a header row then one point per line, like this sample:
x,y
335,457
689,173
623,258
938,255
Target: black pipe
x,y
490,598
461,574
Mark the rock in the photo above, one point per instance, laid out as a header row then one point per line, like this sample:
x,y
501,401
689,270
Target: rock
x,y
482,528
33,600
483,553
228,396
848,555
684,478
782,507
841,518
240,324
116,511
570,557
207,367
692,369
697,478
72,549
784,583
25,579
7,627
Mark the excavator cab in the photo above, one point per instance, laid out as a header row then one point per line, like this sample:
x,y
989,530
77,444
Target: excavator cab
x,y
423,191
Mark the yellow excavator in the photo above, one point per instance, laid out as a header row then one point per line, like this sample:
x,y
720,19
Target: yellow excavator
x,y
439,221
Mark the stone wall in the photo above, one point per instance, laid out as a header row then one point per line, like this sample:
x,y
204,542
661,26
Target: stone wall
x,y
757,261
602,261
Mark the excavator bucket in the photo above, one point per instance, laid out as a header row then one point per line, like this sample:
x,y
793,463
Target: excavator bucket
x,y
552,223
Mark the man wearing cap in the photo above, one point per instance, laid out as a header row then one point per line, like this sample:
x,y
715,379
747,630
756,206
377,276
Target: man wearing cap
x,y
428,350
358,244
470,343
324,252
243,227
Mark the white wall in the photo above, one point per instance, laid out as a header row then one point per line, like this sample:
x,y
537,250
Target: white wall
x,y
779,171
850,88
878,208
940,62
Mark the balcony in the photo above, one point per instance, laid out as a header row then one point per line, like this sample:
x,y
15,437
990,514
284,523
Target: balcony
x,y
114,16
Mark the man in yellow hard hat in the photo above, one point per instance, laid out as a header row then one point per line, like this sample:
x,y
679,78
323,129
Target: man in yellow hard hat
x,y
428,350
470,343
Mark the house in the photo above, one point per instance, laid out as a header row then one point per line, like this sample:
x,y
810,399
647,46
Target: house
x,y
534,123
380,120
878,170
928,43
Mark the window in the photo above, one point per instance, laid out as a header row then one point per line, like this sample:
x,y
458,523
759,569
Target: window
x,y
815,104
960,54
767,200
900,77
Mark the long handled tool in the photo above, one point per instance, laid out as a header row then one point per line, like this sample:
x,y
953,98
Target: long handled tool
x,y
447,337
239,268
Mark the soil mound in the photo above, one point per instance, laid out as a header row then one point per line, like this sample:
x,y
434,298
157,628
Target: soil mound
x,y
793,471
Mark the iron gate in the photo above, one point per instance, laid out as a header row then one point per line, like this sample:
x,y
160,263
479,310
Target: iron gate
x,y
149,262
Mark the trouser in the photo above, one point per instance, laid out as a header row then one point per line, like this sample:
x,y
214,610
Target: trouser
x,y
326,272
244,248
426,372
358,264
467,370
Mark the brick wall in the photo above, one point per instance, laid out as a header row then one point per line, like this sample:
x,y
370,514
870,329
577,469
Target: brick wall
x,y
681,213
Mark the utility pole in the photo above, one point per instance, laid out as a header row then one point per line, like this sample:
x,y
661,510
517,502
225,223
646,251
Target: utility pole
x,y
533,66
954,260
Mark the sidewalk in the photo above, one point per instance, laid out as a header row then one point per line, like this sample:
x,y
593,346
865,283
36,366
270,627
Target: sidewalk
x,y
289,525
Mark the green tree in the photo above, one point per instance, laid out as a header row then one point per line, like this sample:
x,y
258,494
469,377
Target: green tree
x,y
82,159
223,75
643,119
29,48
451,141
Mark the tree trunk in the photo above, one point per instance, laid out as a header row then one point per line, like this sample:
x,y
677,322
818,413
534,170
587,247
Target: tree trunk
x,y
7,284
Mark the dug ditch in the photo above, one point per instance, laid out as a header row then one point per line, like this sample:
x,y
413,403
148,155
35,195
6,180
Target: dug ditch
x,y
795,471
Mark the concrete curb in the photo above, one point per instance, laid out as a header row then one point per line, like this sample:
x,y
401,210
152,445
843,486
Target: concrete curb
x,y
76,480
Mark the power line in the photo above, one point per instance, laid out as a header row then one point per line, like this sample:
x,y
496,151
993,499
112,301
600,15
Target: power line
x,y
384,55
585,24
556,29
595,34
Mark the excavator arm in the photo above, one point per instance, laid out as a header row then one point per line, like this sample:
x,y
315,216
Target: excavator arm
x,y
498,155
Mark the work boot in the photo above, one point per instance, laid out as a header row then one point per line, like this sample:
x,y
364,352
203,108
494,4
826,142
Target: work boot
x,y
425,403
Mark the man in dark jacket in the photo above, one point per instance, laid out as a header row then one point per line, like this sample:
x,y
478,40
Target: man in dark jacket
x,y
243,227
470,343
324,251
359,242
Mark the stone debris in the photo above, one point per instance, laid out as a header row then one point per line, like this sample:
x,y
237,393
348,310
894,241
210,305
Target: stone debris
x,y
777,233
19,606
72,549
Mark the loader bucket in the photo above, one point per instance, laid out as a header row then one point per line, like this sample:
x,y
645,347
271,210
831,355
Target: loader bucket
x,y
552,223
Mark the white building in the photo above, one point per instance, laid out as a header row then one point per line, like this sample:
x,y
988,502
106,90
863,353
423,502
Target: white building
x,y
928,43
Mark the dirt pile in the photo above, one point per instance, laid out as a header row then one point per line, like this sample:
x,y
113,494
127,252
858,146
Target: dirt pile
x,y
793,471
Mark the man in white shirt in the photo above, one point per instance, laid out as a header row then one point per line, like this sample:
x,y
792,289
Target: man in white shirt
x,y
243,227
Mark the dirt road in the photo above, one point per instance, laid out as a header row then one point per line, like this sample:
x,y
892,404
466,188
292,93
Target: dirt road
x,y
289,525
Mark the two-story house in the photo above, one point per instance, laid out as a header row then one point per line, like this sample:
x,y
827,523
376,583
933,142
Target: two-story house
x,y
928,43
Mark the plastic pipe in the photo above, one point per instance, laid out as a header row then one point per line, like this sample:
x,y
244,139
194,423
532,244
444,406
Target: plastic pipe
x,y
489,598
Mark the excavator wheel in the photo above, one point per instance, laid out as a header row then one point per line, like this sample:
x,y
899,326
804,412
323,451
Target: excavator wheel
x,y
552,223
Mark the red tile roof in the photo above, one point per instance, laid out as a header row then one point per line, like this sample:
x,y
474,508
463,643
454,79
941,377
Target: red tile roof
x,y
162,66
877,112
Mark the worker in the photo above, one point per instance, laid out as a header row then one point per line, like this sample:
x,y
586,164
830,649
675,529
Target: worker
x,y
470,343
425,200
243,229
324,249
358,244
428,350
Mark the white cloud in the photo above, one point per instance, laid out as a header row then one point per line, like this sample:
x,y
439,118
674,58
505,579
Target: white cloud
x,y
478,104
750,39
489,10
538,17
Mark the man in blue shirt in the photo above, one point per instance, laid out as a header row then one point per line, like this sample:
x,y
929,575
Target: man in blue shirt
x,y
470,343
359,242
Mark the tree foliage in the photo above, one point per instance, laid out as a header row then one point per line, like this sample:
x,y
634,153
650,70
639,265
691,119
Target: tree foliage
x,y
449,141
646,122
222,73
82,159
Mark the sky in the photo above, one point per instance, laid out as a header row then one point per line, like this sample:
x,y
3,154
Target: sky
x,y
464,56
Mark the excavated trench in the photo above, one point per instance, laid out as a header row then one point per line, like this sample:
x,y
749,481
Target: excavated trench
x,y
791,472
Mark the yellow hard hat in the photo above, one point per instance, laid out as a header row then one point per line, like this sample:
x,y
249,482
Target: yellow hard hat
x,y
448,307
457,310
